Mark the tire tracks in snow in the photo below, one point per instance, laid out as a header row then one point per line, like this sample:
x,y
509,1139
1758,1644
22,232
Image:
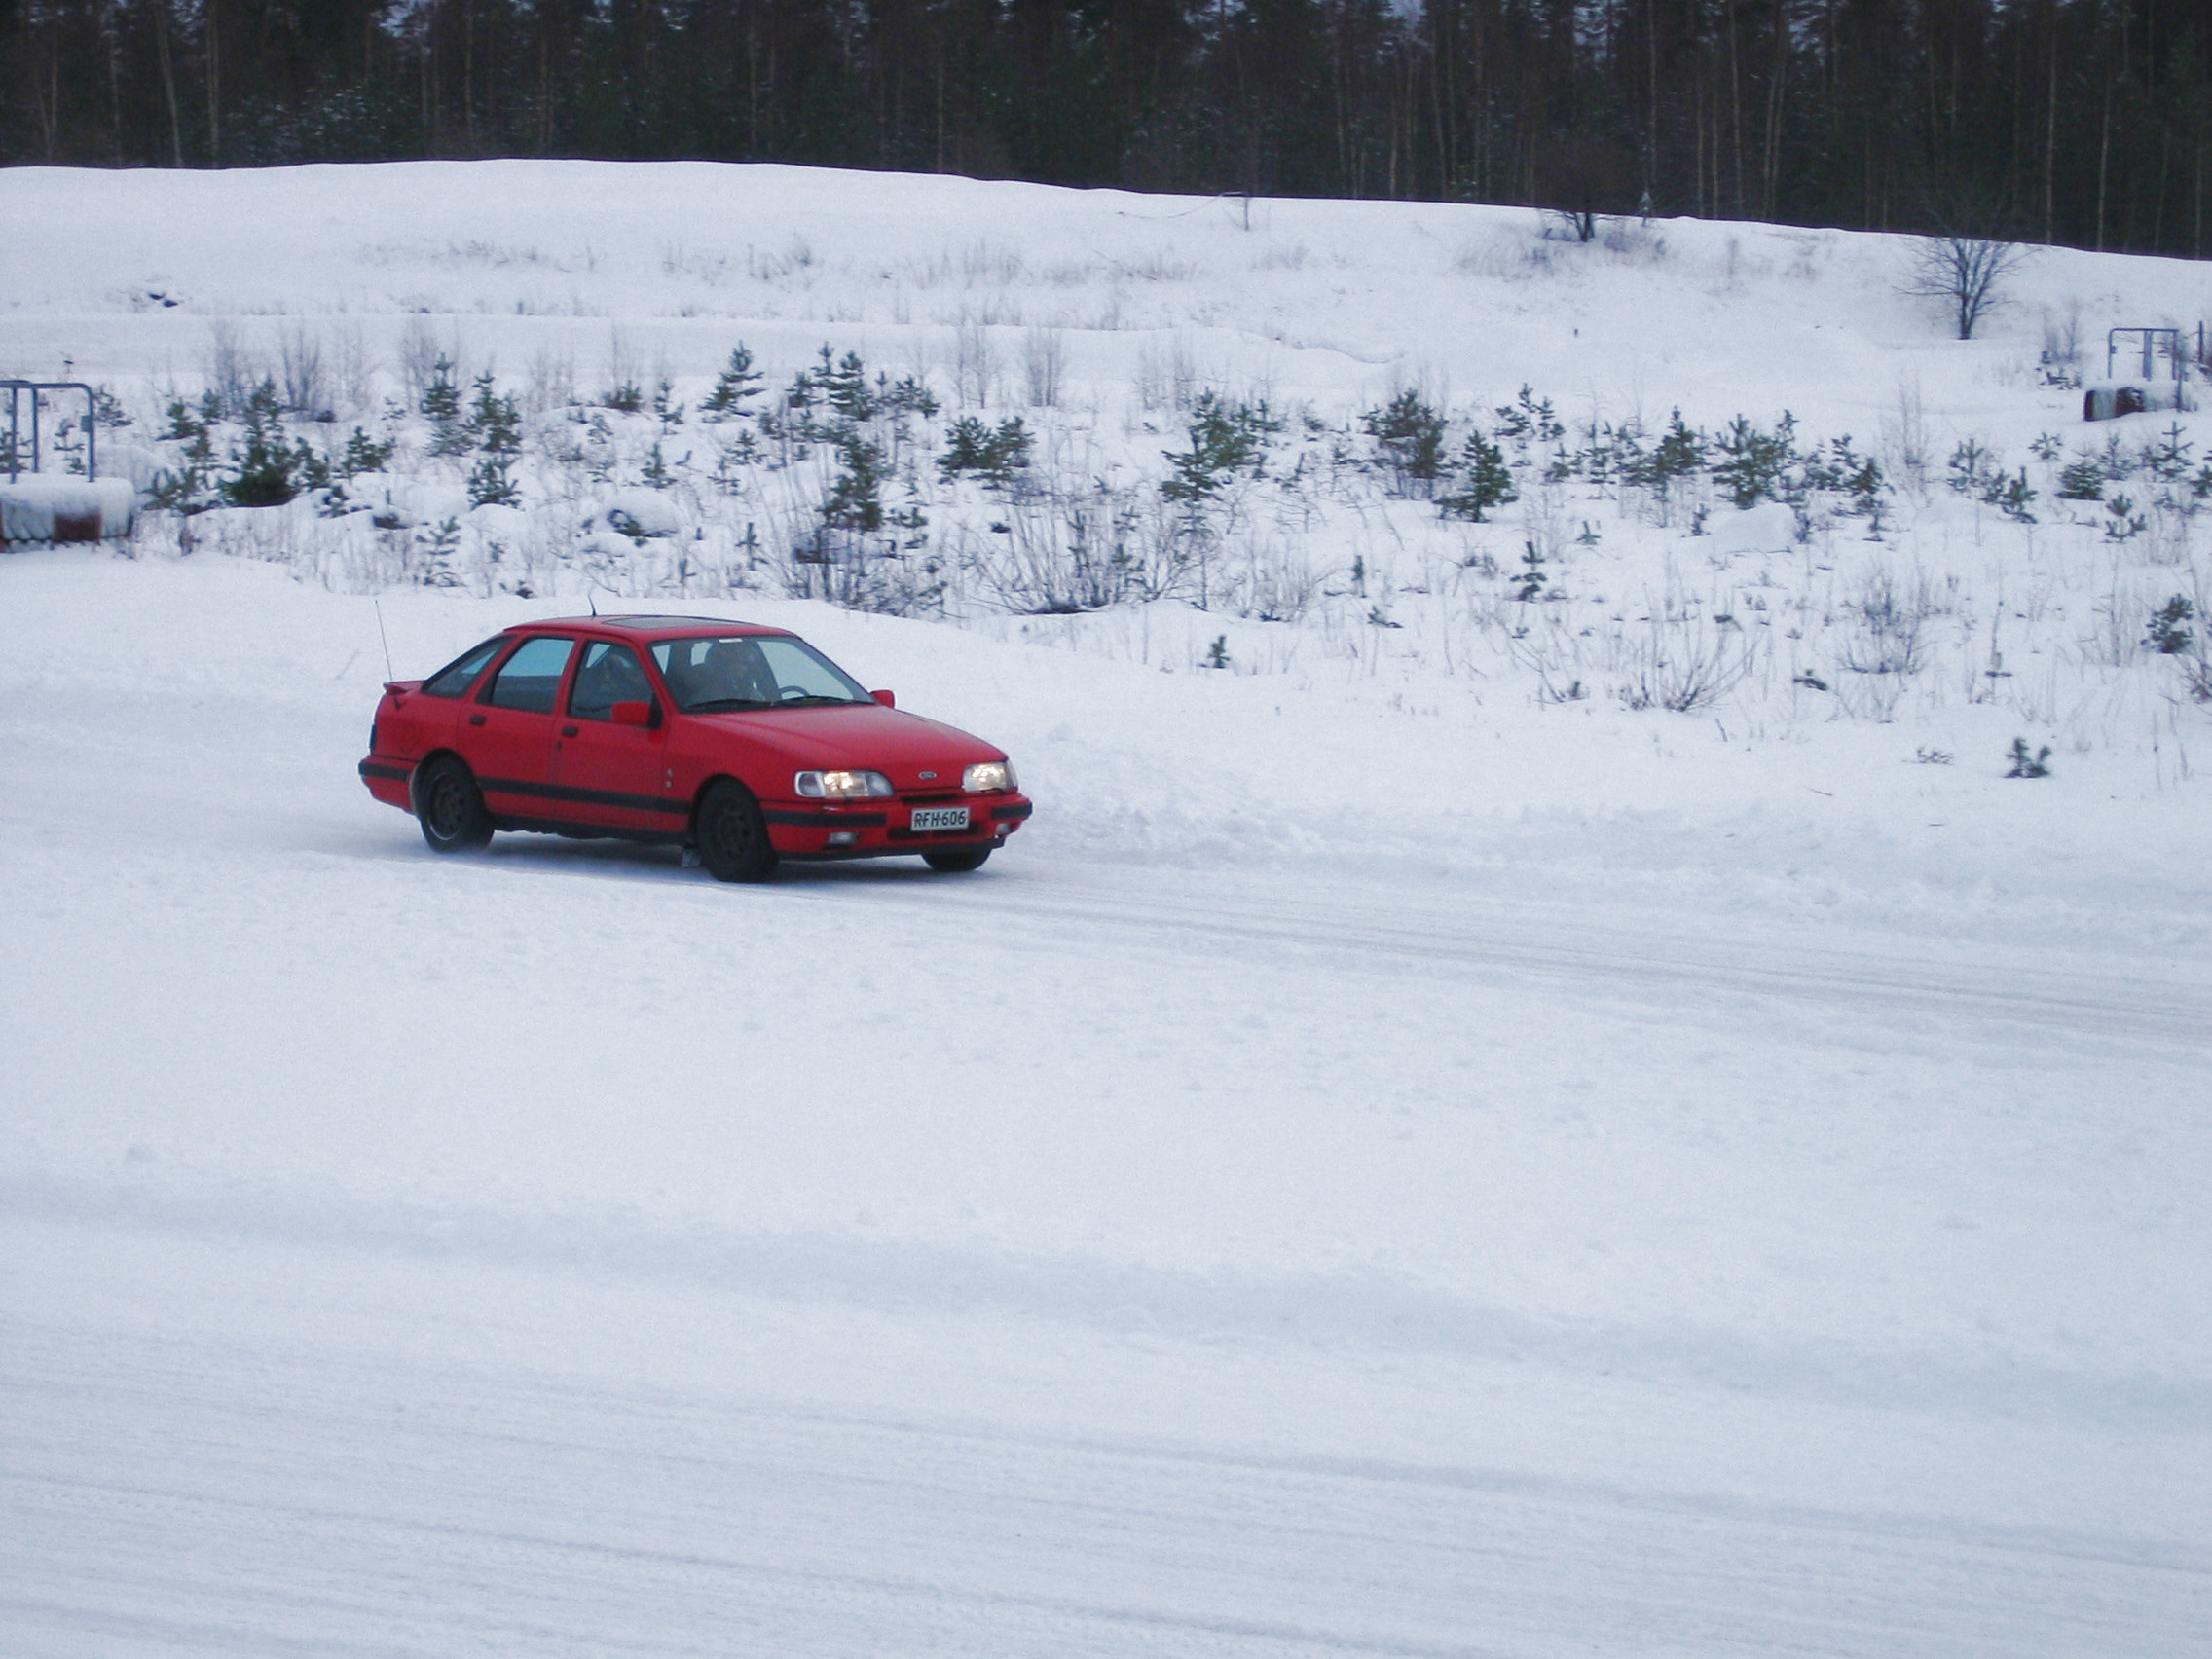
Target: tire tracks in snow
x,y
1615,962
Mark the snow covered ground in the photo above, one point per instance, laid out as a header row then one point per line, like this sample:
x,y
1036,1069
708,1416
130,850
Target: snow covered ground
x,y
1387,1162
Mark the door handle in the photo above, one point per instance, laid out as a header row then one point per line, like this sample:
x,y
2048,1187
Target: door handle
x,y
567,731
475,720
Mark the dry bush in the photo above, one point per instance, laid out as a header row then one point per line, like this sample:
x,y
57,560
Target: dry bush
x,y
1681,661
300,370
1044,366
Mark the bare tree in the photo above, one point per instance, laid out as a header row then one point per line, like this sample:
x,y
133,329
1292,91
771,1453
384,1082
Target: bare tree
x,y
1967,273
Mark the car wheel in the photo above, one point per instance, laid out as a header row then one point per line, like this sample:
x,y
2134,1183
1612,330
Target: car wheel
x,y
952,862
450,807
733,836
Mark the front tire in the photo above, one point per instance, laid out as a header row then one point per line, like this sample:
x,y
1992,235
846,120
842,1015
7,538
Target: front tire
x,y
955,862
733,836
450,807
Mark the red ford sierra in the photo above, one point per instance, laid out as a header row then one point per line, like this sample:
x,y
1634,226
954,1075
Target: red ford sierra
x,y
741,742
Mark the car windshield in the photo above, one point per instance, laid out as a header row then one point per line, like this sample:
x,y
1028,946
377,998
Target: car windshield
x,y
752,671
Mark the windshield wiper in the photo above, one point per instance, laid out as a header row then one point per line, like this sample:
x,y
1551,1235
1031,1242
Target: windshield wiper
x,y
814,699
725,705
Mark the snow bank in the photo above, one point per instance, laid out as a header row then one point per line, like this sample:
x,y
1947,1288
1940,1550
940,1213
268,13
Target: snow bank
x,y
36,508
638,513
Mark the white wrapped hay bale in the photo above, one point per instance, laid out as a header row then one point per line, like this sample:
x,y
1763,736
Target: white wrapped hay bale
x,y
2108,400
50,507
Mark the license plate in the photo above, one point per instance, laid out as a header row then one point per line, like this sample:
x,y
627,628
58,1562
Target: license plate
x,y
940,818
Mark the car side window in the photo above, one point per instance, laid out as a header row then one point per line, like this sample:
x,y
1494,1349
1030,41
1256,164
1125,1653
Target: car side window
x,y
610,674
457,675
530,679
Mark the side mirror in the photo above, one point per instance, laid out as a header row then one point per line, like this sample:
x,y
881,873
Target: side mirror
x,y
885,698
632,714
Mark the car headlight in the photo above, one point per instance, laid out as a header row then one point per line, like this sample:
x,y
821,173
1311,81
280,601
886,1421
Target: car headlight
x,y
841,785
986,776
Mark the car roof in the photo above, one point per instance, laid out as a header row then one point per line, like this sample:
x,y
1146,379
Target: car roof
x,y
652,627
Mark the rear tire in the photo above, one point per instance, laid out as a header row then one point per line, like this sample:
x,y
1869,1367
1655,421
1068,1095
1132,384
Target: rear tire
x,y
732,835
956,863
449,807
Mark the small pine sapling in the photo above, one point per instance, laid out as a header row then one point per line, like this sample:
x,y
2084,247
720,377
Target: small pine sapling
x,y
442,548
2123,523
2082,480
2167,457
844,385
491,483
2171,633
738,382
995,455
665,406
1217,653
268,470
1226,438
2011,494
855,502
495,422
441,398
1531,576
1488,481
1411,436
1529,418
1969,467
183,423
363,453
2026,764
908,396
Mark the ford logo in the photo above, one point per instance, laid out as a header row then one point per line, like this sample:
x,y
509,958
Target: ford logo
x,y
929,777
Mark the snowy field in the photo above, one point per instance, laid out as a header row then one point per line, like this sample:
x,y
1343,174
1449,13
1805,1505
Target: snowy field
x,y
1395,1157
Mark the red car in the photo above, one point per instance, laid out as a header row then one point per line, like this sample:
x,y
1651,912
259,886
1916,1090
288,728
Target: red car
x,y
744,743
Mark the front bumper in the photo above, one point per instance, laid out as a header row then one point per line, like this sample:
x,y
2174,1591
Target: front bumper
x,y
881,830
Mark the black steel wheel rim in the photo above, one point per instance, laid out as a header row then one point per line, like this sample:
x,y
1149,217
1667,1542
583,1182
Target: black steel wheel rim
x,y
729,830
448,803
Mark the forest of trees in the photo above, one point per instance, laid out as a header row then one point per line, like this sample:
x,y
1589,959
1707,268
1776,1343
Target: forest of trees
x,y
2086,121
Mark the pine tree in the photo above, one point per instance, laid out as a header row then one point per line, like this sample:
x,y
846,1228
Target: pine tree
x,y
1489,481
739,381
1412,437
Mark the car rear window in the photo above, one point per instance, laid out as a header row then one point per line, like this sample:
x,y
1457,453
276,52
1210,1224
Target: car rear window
x,y
457,675
530,679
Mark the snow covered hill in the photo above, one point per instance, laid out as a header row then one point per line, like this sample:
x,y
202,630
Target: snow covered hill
x,y
1419,1147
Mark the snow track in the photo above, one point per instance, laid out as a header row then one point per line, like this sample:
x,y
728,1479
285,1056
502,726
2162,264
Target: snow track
x,y
173,1497
556,1252
1603,956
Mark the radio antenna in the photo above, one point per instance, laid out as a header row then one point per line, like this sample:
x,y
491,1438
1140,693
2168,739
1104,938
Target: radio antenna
x,y
386,638
593,598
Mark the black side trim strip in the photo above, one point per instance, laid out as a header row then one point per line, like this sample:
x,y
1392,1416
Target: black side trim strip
x,y
587,797
376,769
826,820
1021,809
587,831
